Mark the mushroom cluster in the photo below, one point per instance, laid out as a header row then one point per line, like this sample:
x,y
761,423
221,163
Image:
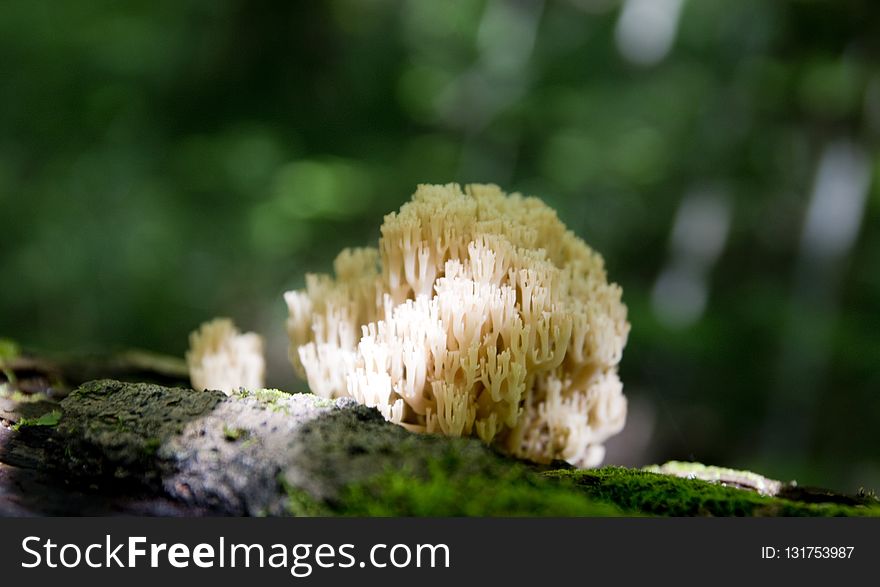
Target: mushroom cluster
x,y
478,314
220,357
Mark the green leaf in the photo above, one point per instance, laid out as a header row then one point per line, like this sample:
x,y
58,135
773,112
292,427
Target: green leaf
x,y
48,419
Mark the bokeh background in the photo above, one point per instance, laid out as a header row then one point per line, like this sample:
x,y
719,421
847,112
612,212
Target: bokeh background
x,y
166,161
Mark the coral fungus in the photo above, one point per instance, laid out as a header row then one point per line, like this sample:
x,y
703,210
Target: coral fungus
x,y
222,358
478,314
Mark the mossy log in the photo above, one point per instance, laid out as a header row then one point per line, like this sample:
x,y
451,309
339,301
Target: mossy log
x,y
113,447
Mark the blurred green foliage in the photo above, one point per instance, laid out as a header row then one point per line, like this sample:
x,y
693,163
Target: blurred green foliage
x,y
165,162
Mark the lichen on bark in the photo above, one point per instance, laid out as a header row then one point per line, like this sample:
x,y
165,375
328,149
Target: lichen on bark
x,y
267,452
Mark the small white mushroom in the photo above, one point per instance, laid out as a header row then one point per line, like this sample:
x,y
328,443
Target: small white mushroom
x,y
222,358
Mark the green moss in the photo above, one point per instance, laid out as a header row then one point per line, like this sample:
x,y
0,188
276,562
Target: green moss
x,y
276,400
151,445
48,419
666,495
300,504
269,395
114,427
445,491
273,399
233,434
323,402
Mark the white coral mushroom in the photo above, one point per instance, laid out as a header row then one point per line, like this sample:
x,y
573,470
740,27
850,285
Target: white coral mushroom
x,y
479,314
222,358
